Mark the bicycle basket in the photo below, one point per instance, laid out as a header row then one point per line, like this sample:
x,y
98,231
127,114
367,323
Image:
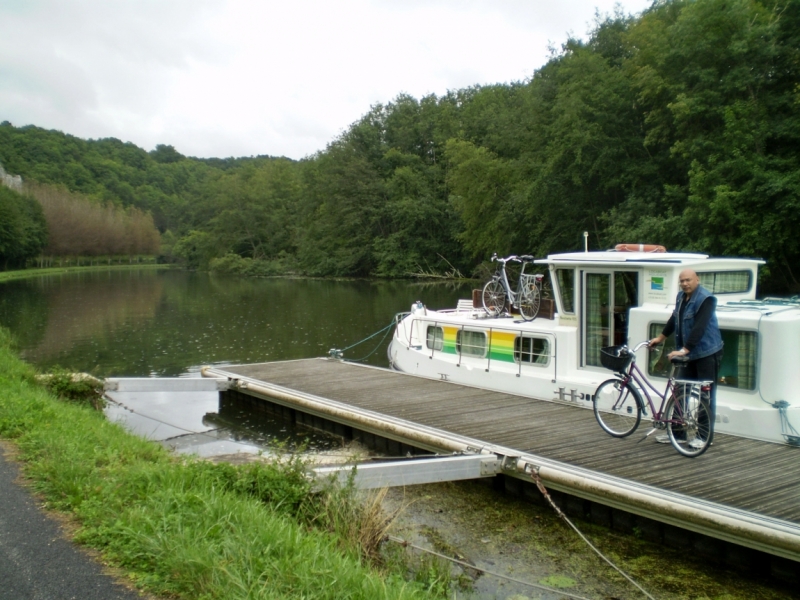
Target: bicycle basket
x,y
616,358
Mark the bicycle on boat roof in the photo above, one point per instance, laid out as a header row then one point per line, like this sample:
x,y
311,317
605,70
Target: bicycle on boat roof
x,y
685,410
497,290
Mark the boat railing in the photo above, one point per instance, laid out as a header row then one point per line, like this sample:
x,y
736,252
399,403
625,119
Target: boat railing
x,y
766,306
552,354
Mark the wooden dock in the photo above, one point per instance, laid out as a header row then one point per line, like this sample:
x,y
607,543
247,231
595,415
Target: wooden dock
x,y
742,491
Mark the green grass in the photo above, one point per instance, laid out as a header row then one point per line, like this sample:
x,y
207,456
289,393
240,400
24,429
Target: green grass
x,y
189,528
25,273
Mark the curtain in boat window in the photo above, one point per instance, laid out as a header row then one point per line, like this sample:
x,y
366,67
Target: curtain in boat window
x,y
726,282
597,316
471,343
746,361
739,355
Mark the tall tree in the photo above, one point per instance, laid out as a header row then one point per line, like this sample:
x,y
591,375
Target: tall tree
x,y
23,231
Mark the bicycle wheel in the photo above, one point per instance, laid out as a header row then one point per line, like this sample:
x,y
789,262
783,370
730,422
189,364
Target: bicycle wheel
x,y
494,297
617,407
531,299
689,423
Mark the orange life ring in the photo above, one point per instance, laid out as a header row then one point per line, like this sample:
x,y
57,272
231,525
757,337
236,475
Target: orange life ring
x,y
639,248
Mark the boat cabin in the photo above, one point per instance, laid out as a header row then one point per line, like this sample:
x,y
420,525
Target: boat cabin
x,y
603,293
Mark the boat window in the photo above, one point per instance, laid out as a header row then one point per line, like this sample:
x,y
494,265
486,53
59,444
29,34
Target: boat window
x,y
435,338
531,350
566,287
738,369
726,282
471,343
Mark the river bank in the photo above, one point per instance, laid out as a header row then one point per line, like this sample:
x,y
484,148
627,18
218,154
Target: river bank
x,y
27,273
186,527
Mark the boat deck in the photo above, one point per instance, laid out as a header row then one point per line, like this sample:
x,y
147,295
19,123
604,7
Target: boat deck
x,y
739,477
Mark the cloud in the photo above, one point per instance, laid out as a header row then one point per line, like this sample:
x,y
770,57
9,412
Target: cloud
x,y
217,78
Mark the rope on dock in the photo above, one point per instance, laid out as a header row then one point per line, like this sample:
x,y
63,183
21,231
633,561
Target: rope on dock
x,y
534,472
472,567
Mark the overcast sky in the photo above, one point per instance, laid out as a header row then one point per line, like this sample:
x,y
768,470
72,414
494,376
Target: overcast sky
x,y
246,77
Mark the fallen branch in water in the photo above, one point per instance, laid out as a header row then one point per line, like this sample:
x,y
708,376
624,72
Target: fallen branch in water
x,y
453,273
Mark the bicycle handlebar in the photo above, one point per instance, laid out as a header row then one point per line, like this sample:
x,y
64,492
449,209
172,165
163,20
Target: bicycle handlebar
x,y
674,360
513,258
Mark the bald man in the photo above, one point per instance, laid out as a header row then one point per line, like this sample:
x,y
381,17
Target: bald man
x,y
697,335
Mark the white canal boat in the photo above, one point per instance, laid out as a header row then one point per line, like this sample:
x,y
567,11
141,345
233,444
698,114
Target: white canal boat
x,y
610,298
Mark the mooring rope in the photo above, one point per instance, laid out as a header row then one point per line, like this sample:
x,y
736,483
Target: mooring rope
x,y
534,472
206,433
537,586
337,353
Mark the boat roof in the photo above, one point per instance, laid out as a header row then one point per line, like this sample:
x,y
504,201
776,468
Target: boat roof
x,y
642,258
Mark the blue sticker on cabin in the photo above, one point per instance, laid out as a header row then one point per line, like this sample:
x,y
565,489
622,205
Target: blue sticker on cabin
x,y
657,283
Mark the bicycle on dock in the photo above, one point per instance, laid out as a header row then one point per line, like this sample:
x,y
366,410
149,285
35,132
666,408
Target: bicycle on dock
x,y
685,410
497,290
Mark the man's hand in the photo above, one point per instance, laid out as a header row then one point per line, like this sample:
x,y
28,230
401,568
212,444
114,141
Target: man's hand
x,y
659,339
678,353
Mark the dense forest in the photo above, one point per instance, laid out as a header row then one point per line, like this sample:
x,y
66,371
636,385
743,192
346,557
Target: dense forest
x,y
679,126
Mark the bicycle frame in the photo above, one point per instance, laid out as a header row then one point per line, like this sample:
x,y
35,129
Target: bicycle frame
x,y
502,276
635,375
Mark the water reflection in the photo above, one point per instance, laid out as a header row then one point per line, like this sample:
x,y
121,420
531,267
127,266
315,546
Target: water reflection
x,y
168,323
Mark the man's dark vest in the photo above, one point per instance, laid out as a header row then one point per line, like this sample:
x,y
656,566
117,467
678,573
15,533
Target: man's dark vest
x,y
711,342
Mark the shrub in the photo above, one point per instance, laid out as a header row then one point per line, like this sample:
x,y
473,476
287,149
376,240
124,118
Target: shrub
x,y
77,387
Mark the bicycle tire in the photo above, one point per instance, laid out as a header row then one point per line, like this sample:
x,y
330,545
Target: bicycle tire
x,y
686,426
617,407
530,301
493,298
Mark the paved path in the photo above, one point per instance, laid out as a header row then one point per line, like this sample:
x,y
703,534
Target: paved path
x,y
36,561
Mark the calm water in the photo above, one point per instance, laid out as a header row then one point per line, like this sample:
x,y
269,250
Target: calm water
x,y
168,323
